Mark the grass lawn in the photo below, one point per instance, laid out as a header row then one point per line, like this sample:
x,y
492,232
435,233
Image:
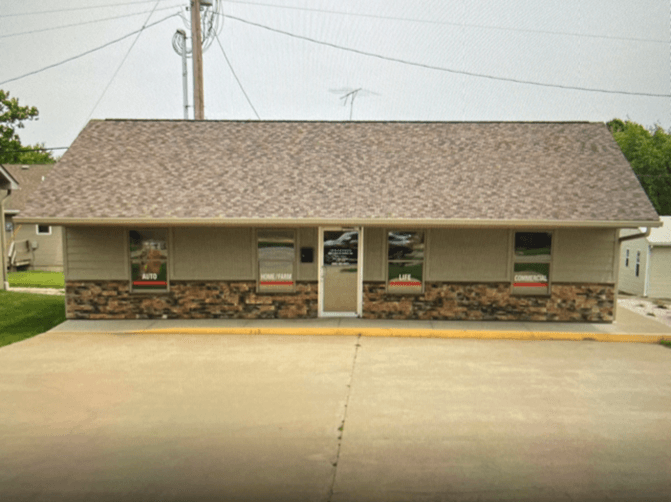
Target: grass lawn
x,y
36,279
23,315
666,343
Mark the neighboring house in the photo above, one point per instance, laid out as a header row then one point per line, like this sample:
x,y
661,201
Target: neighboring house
x,y
381,220
645,263
8,184
30,246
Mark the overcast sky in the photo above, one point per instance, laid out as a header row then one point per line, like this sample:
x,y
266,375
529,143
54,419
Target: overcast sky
x,y
470,51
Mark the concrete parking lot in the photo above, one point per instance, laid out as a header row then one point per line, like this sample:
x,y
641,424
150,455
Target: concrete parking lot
x,y
210,417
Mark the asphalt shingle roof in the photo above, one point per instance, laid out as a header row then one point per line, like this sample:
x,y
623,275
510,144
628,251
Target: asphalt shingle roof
x,y
174,169
29,178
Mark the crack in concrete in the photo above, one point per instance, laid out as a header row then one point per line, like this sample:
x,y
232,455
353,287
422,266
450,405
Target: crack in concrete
x,y
341,429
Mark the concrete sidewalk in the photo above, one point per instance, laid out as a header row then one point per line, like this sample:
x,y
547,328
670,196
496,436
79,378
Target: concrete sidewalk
x,y
629,327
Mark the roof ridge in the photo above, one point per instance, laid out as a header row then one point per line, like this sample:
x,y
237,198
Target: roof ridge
x,y
291,121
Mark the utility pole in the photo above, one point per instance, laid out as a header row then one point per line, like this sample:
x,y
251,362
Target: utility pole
x,y
197,54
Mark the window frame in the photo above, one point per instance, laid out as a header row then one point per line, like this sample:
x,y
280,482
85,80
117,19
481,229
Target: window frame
x,y
294,264
37,229
387,261
536,259
626,258
168,235
638,263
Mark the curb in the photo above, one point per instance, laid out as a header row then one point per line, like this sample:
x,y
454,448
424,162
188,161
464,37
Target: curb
x,y
411,333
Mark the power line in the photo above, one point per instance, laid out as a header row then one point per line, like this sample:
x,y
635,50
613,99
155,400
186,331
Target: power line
x,y
87,52
460,25
236,77
41,149
441,68
52,28
68,9
123,60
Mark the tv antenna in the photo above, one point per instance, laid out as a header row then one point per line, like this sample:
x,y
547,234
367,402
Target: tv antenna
x,y
349,94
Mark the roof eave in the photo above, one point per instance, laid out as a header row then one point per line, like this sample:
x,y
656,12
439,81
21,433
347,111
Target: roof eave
x,y
7,181
369,222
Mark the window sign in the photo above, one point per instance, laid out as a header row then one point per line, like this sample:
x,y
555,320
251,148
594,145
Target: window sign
x,y
276,260
531,270
149,259
341,248
532,275
405,266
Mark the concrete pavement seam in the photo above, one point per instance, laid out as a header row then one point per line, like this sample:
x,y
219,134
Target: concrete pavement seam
x,y
341,429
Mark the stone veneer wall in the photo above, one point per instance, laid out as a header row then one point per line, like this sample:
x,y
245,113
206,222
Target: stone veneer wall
x,y
492,301
239,300
187,300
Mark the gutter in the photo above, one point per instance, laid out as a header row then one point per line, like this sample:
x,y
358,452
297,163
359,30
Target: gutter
x,y
367,222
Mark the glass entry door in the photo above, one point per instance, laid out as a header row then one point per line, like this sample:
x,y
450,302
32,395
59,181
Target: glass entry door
x,y
341,278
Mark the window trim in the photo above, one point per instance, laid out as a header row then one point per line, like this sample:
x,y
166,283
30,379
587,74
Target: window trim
x,y
638,263
549,259
37,230
294,263
386,260
168,236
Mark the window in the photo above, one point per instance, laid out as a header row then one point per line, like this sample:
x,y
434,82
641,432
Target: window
x,y
149,260
276,254
531,269
626,258
405,262
43,230
638,262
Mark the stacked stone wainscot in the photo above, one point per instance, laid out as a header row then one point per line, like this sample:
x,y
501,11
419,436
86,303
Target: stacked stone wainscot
x,y
239,300
187,300
492,302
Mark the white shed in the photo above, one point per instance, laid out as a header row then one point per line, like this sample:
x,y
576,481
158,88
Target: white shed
x,y
645,263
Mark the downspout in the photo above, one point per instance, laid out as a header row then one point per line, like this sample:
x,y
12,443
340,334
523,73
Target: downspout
x,y
636,236
5,282
646,284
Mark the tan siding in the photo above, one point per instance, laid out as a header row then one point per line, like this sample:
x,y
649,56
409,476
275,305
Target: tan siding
x,y
627,280
660,272
374,260
49,253
468,255
583,255
212,253
307,237
96,254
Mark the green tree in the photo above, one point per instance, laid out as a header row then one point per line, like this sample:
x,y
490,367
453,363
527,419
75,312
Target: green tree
x,y
12,117
649,153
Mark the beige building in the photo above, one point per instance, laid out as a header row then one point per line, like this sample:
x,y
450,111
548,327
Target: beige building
x,y
30,246
382,220
645,263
